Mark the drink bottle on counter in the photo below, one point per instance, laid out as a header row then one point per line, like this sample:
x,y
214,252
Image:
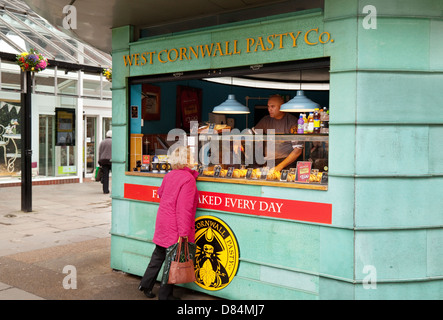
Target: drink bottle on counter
x,y
300,125
316,121
324,121
311,123
305,123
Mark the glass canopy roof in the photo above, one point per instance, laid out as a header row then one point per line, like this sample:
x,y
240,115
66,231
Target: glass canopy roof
x,y
21,30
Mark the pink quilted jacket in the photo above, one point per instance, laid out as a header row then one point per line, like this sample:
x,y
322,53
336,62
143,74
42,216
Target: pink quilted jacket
x,y
178,203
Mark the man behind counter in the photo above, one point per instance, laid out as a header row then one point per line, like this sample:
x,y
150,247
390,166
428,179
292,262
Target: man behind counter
x,y
286,153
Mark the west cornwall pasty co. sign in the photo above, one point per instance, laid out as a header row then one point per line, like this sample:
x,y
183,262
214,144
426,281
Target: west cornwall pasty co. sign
x,y
249,45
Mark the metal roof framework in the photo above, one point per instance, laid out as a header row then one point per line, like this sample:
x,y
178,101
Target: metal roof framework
x,y
21,29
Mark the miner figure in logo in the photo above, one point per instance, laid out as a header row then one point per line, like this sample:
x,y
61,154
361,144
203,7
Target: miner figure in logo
x,y
209,270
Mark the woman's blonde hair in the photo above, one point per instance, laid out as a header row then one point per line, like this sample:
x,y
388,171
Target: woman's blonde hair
x,y
180,157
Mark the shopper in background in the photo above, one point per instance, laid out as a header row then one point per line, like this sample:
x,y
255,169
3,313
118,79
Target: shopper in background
x,y
175,217
104,159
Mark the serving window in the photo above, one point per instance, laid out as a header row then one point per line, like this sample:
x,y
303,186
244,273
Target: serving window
x,y
170,110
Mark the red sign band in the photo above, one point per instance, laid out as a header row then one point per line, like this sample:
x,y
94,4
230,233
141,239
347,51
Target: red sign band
x,y
259,206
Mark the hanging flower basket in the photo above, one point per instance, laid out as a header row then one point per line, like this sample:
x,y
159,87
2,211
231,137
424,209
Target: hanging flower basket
x,y
108,74
32,61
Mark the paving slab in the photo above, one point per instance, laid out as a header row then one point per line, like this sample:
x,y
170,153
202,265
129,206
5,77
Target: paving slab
x,y
61,250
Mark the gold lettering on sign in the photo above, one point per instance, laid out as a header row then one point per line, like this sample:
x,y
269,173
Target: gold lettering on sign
x,y
264,43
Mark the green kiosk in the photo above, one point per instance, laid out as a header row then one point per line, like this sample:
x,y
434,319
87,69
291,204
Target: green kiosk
x,y
358,216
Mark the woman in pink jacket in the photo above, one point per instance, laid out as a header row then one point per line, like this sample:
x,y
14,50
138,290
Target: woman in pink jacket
x,y
175,218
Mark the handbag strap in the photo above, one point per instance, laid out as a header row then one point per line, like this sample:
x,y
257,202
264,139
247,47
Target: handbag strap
x,y
182,241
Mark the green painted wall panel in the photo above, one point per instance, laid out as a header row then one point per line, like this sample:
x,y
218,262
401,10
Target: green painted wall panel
x,y
297,280
395,255
343,51
341,192
130,255
246,289
148,181
332,289
436,149
269,275
342,149
336,252
119,138
120,216
399,97
434,252
396,150
248,270
340,195
399,202
121,36
414,8
142,220
119,115
118,174
424,290
274,242
436,46
396,44
343,98
336,9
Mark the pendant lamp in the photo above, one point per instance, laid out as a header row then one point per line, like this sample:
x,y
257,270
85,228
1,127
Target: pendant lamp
x,y
300,103
231,106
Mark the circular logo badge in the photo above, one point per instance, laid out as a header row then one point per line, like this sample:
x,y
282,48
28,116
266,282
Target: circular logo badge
x,y
217,254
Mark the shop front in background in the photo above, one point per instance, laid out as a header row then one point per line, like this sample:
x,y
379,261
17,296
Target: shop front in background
x,y
58,141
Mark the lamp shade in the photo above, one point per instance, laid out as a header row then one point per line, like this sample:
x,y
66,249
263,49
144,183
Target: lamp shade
x,y
231,106
300,103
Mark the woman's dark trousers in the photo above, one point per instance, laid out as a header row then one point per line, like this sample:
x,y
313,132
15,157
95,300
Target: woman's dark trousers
x,y
152,271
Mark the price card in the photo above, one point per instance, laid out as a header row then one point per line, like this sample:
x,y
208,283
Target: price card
x,y
249,173
146,159
200,170
324,178
264,173
217,170
230,172
292,174
284,175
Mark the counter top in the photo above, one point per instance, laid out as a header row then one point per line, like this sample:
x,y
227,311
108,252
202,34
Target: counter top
x,y
269,183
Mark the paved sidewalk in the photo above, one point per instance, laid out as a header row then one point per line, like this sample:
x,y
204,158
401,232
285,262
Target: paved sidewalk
x,y
68,228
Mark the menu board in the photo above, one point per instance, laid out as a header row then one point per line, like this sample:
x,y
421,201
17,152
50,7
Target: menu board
x,y
65,127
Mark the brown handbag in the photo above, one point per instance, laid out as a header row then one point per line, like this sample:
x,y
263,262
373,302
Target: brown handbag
x,y
182,272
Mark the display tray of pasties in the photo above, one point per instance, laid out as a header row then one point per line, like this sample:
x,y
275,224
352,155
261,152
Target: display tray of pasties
x,y
260,174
